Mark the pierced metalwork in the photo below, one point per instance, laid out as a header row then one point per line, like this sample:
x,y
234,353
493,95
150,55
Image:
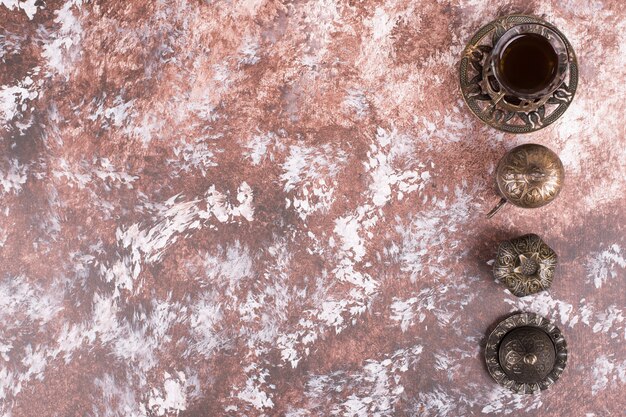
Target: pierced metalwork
x,y
526,353
486,98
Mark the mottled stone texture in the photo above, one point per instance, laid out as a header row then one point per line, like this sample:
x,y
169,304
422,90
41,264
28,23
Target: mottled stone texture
x,y
249,208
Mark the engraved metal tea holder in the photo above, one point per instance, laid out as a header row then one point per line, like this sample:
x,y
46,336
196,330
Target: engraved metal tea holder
x,y
528,176
492,101
526,353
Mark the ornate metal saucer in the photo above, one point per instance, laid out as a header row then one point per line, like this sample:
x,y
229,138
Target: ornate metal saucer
x,y
525,265
483,94
528,176
526,353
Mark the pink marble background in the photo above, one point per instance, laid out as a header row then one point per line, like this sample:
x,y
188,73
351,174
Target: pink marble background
x,y
247,208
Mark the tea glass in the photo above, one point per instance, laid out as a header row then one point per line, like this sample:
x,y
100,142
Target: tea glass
x,y
557,44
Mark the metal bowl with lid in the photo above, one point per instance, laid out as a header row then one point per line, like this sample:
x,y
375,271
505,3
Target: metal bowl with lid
x,y
528,176
526,353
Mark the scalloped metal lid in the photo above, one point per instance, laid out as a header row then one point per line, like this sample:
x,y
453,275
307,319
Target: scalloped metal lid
x,y
526,353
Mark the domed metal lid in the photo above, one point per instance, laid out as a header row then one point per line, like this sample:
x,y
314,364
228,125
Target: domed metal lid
x,y
526,353
530,176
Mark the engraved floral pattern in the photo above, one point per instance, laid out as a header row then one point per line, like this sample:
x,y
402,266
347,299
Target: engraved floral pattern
x,y
527,354
525,265
530,176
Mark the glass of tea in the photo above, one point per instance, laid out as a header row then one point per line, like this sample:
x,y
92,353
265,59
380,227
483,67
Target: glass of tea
x,y
529,61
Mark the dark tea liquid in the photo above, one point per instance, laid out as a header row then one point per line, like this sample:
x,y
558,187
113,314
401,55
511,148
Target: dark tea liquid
x,y
528,63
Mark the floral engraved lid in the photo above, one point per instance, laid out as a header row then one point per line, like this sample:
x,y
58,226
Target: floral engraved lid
x,y
526,353
525,265
529,176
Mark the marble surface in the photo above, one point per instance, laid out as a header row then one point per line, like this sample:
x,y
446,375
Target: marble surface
x,y
248,208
